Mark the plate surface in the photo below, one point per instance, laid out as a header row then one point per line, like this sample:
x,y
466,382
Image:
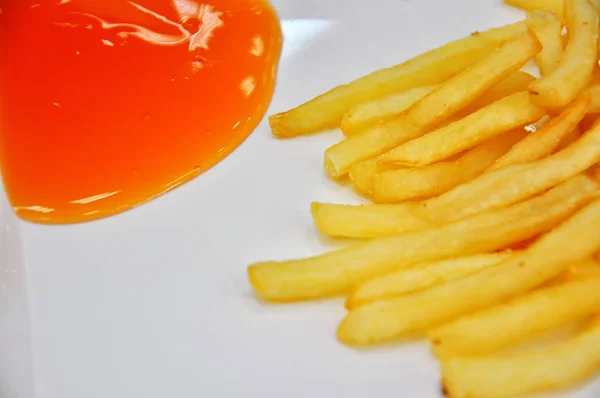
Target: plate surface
x,y
155,303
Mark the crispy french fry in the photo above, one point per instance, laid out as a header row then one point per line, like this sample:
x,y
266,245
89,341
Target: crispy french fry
x,y
490,190
514,183
443,102
381,109
546,140
511,112
594,91
518,320
570,138
421,277
434,179
505,376
382,320
339,271
594,172
361,174
548,29
433,67
576,67
553,6
367,221
590,268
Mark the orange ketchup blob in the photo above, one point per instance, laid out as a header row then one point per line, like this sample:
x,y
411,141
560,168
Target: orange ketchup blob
x,y
106,104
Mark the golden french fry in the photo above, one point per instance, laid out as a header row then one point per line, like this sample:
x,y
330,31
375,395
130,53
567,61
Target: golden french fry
x,y
506,376
553,6
381,109
338,271
488,191
590,268
511,112
594,172
574,240
518,320
421,277
546,140
367,221
326,111
443,102
361,174
514,83
548,29
513,183
570,138
594,91
434,179
576,67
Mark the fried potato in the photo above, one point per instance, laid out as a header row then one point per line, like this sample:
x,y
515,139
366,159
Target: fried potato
x,y
443,102
337,272
590,268
366,221
434,179
378,110
547,139
553,6
326,111
381,109
506,376
518,320
594,91
548,29
511,112
488,191
421,277
514,183
576,67
382,320
570,137
361,174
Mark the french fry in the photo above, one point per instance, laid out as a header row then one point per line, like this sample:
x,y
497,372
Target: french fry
x,y
381,109
505,376
548,29
382,320
553,6
434,179
361,174
570,138
511,184
421,277
576,67
518,320
378,110
443,102
337,272
367,221
594,91
488,191
590,268
511,112
326,111
546,140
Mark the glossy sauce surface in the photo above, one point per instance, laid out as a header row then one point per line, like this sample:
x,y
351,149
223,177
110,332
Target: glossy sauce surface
x,y
107,104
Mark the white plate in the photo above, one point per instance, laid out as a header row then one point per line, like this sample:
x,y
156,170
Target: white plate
x,y
154,303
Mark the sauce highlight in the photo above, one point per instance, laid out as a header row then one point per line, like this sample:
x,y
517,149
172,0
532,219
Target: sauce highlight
x,y
107,104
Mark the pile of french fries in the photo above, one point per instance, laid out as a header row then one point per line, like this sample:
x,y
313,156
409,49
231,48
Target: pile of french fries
x,y
484,233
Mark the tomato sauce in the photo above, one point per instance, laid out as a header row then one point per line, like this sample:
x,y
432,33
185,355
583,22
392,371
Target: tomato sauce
x,y
106,104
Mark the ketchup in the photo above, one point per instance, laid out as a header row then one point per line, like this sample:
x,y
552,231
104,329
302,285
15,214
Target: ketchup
x,y
106,104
